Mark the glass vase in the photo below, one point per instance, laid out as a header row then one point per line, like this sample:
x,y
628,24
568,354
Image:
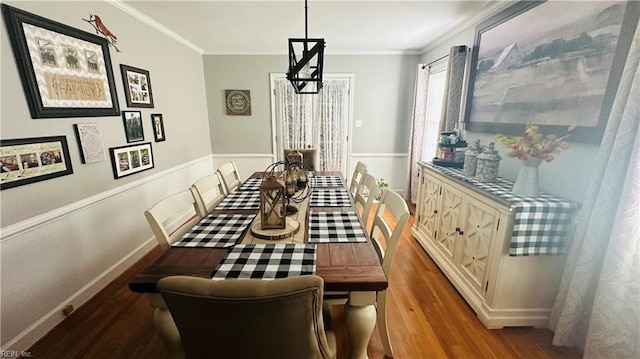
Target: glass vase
x,y
527,181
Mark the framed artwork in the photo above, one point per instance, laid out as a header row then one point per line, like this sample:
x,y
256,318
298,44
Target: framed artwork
x,y
532,65
65,72
158,127
238,102
90,142
29,160
127,160
133,126
137,87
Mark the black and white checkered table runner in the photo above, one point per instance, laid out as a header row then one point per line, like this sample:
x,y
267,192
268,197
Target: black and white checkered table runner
x,y
335,227
267,261
216,231
330,198
541,224
327,181
240,200
251,184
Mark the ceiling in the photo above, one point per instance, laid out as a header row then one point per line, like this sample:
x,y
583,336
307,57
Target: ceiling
x,y
241,27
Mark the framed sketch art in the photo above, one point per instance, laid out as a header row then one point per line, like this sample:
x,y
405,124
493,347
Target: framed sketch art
x,y
127,160
29,160
90,142
65,72
137,87
555,64
133,126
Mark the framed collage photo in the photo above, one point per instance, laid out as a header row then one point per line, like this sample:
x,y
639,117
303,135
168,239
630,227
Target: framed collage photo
x,y
29,160
127,160
133,126
65,72
137,87
158,127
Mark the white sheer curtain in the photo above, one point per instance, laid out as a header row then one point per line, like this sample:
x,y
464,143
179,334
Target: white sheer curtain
x,y
598,304
316,120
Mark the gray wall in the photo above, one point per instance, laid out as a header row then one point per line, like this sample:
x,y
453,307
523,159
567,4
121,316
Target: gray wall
x,y
567,175
383,96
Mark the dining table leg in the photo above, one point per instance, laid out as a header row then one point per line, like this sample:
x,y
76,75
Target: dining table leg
x,y
360,320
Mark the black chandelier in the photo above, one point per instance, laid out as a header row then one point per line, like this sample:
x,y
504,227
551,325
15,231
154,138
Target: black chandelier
x,y
305,73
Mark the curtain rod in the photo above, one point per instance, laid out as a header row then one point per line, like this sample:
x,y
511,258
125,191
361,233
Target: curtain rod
x,y
434,61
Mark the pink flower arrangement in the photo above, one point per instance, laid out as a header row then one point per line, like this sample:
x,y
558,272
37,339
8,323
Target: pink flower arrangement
x,y
533,144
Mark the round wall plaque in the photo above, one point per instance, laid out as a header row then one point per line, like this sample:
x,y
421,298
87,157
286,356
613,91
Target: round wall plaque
x,y
238,102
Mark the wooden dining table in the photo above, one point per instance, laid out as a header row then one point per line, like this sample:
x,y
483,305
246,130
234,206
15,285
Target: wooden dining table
x,y
346,267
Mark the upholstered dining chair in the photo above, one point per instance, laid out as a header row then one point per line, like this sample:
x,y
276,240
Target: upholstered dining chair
x,y
356,177
388,223
247,318
230,176
309,157
208,192
171,217
365,194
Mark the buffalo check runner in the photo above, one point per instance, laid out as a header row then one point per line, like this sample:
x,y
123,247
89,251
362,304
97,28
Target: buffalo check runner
x,y
541,224
330,198
327,181
267,261
335,227
216,231
240,200
252,184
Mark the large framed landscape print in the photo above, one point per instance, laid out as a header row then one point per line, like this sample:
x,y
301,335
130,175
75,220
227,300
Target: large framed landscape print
x,y
556,64
65,72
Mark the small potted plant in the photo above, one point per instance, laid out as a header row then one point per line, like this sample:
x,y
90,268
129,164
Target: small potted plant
x,y
382,186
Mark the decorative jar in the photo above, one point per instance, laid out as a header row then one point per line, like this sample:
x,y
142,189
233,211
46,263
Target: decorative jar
x,y
488,163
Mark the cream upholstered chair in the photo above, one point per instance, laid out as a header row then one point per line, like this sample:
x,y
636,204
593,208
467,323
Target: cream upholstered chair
x,y
172,217
388,223
356,177
230,176
246,318
208,192
309,157
366,192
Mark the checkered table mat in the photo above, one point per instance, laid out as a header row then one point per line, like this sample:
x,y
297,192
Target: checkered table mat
x,y
335,227
216,231
330,198
251,184
327,181
267,261
240,200
541,224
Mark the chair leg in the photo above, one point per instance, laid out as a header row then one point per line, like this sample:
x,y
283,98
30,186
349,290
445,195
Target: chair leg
x,y
382,324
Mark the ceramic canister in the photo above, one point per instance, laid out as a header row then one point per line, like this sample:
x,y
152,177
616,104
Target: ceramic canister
x,y
487,166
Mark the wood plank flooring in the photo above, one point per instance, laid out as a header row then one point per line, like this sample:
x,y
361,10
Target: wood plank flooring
x,y
427,319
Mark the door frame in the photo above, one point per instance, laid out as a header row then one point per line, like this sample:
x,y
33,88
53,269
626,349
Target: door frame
x,y
349,131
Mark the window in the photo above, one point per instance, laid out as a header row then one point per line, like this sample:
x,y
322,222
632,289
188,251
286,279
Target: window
x,y
435,98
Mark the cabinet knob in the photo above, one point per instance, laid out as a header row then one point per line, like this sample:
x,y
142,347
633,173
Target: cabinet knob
x,y
435,211
459,230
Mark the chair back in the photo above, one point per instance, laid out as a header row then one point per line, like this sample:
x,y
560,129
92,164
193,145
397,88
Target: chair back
x,y
356,177
388,225
208,192
172,217
365,195
309,157
248,318
230,177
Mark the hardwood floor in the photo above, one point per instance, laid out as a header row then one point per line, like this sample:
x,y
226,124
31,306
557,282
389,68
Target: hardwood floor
x,y
427,319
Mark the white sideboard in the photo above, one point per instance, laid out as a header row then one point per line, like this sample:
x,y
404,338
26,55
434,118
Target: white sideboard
x,y
467,232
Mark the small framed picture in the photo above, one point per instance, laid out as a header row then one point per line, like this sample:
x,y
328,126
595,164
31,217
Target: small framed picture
x,y
137,87
133,126
238,102
158,127
29,160
90,142
127,160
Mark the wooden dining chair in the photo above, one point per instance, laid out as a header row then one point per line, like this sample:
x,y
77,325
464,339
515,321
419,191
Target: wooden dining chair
x,y
230,176
171,217
208,192
356,177
246,318
365,194
388,223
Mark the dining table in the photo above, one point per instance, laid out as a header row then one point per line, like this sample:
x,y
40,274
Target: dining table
x,y
331,242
